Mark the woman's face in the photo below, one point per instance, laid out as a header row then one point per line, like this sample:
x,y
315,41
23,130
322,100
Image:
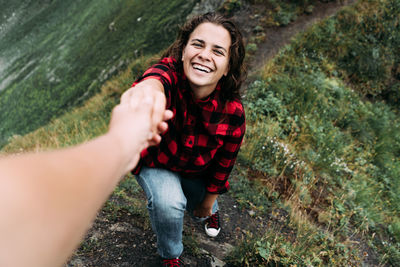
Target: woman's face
x,y
206,58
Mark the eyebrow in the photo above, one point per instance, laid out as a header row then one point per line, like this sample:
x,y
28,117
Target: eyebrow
x,y
216,46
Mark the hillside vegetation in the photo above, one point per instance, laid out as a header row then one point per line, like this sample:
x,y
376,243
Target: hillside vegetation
x,y
56,54
321,157
323,143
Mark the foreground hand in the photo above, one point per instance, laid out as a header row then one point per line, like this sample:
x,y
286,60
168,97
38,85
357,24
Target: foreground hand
x,y
132,125
153,91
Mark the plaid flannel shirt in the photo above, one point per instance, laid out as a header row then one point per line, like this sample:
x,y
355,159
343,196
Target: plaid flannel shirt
x,y
203,137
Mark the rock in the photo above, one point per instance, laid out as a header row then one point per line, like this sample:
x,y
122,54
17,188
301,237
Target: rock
x,y
121,227
96,236
76,263
205,6
111,26
216,249
215,262
251,213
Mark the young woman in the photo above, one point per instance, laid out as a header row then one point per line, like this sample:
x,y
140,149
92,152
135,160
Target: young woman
x,y
200,76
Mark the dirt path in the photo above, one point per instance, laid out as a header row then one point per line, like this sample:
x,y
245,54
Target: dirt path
x,y
125,239
277,37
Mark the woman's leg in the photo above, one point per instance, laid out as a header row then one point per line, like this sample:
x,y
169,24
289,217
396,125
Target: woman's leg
x,y
166,205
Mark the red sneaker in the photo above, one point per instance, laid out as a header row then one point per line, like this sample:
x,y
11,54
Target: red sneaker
x,y
172,262
212,226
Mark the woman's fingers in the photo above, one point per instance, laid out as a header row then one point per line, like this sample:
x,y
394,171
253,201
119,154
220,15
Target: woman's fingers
x,y
162,127
202,212
155,140
168,114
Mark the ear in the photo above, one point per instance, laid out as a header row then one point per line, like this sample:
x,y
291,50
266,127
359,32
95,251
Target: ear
x,y
183,53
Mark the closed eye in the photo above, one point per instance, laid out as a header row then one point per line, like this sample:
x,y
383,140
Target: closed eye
x,y
219,52
197,44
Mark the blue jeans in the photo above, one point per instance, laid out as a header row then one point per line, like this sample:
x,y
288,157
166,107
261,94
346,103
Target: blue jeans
x,y
168,196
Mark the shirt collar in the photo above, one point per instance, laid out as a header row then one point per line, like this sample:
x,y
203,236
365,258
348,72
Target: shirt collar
x,y
211,99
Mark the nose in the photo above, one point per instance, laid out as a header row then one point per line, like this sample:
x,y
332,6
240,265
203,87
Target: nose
x,y
205,54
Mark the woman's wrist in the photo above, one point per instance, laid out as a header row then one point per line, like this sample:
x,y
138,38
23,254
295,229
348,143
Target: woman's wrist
x,y
209,200
205,206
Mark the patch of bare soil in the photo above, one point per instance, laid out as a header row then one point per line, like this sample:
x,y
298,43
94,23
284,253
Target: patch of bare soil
x,y
126,239
277,37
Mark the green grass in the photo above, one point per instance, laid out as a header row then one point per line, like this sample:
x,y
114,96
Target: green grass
x,y
58,53
82,123
321,157
323,138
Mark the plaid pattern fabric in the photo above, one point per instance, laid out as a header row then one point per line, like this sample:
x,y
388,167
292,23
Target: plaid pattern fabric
x,y
203,137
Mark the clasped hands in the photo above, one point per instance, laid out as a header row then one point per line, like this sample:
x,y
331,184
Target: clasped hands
x,y
140,118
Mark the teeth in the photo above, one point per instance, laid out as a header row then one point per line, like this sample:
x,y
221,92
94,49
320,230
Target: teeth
x,y
201,68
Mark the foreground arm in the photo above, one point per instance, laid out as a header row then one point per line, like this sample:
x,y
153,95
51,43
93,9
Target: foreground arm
x,y
49,199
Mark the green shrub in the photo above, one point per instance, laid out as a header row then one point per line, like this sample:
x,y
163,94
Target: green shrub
x,y
320,128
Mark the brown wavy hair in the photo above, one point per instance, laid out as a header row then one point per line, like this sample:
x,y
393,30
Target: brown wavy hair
x,y
231,83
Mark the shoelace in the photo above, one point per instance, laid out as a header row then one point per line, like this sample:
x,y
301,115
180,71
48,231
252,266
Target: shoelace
x,y
213,221
172,262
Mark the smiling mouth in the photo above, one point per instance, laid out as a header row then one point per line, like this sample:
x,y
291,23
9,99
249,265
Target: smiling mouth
x,y
201,68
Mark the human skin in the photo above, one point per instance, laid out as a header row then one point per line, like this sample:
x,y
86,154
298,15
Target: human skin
x,y
206,58
49,199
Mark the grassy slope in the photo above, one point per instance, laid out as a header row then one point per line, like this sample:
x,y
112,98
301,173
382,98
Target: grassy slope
x,y
319,152
58,53
323,138
82,123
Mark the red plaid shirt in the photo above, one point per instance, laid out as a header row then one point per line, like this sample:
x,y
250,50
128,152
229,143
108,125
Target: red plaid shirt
x,y
203,137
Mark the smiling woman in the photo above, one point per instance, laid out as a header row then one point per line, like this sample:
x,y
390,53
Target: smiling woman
x,y
200,76
206,58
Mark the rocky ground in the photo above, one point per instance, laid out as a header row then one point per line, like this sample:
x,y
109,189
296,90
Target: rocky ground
x,y
126,239
122,241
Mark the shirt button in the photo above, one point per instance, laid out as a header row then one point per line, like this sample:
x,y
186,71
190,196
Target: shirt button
x,y
189,142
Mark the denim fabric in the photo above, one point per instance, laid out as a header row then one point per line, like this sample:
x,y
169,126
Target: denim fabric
x,y
168,196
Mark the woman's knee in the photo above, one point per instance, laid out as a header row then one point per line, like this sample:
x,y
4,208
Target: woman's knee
x,y
163,189
168,204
